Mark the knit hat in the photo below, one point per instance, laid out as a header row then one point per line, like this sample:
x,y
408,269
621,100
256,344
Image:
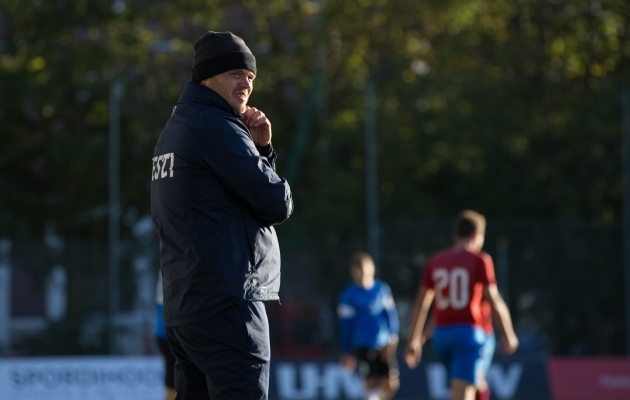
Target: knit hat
x,y
217,52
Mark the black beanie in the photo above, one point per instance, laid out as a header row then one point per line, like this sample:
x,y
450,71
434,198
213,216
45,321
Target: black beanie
x,y
217,52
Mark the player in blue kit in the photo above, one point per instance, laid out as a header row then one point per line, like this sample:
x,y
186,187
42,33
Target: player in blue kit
x,y
369,329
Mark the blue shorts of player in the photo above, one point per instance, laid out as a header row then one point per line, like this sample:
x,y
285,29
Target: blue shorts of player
x,y
487,352
460,349
223,357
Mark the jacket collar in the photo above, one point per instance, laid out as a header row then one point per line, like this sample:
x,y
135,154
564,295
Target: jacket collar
x,y
195,93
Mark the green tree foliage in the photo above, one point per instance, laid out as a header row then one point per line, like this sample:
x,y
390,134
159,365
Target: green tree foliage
x,y
505,106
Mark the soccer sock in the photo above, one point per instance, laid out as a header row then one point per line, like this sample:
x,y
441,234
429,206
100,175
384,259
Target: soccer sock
x,y
483,394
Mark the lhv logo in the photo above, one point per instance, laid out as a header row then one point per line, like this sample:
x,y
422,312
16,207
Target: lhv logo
x,y
314,381
503,383
306,381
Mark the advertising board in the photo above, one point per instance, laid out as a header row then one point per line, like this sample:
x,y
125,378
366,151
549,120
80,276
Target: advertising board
x,y
591,378
81,378
141,378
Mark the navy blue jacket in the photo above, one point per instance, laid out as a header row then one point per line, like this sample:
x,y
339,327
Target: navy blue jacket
x,y
214,201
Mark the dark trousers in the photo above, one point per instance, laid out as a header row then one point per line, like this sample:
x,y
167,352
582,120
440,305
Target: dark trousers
x,y
169,362
224,357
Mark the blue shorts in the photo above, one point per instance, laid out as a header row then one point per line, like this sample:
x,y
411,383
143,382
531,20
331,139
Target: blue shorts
x,y
461,349
225,357
487,352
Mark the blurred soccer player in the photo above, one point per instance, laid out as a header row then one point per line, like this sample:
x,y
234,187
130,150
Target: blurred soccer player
x,y
369,329
460,278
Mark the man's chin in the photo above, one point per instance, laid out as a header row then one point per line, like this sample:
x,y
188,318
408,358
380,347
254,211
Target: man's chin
x,y
239,107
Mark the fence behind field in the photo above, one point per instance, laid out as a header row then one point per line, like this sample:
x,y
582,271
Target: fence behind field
x,y
562,279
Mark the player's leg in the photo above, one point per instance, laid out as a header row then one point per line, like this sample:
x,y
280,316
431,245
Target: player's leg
x,y
462,390
171,394
389,386
483,393
365,368
389,376
380,384
467,363
372,388
232,350
442,343
487,353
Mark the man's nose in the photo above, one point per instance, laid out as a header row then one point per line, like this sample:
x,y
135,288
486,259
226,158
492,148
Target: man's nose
x,y
245,82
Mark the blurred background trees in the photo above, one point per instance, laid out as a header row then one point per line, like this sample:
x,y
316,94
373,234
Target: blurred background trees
x,y
511,108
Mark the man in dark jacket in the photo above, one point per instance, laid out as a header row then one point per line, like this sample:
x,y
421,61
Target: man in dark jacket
x,y
215,197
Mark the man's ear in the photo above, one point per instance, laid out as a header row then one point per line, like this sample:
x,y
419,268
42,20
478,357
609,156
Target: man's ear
x,y
205,82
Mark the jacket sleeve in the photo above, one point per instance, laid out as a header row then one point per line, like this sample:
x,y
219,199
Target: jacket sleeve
x,y
346,313
230,153
390,310
269,154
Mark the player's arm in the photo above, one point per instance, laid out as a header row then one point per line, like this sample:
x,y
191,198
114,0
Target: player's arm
x,y
418,319
502,317
427,332
346,314
393,322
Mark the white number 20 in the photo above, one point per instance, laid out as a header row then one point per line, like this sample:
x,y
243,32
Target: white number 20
x,y
457,281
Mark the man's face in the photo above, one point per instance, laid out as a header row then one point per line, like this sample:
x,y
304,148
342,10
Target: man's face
x,y
234,86
478,240
363,272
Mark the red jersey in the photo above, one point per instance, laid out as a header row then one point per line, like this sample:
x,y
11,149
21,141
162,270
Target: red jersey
x,y
458,278
486,316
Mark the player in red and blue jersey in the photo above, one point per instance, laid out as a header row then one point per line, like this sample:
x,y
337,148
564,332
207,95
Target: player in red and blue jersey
x,y
369,329
460,279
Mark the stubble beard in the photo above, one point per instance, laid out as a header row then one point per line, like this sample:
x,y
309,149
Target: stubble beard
x,y
240,108
235,102
238,105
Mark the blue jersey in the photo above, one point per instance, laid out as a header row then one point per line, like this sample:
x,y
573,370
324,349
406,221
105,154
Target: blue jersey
x,y
368,317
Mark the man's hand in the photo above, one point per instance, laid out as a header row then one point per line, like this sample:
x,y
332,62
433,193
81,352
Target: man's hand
x,y
413,353
510,344
348,362
389,351
258,125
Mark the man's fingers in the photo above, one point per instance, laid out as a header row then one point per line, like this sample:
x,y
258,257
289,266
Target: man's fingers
x,y
261,121
246,114
258,119
258,125
253,117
